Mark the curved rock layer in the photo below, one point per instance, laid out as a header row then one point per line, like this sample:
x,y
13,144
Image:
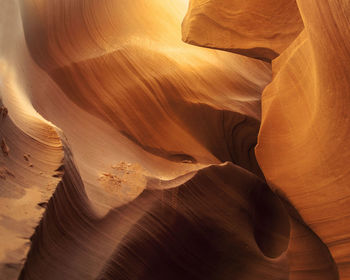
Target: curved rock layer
x,y
176,102
302,146
258,29
30,156
309,94
144,147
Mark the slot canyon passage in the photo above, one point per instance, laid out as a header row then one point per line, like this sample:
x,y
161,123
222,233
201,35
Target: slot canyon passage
x,y
174,139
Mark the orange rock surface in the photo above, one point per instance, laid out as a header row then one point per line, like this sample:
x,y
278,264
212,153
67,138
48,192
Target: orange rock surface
x,y
259,29
303,148
128,154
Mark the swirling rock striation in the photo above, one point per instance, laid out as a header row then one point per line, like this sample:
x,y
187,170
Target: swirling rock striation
x,y
128,154
302,146
309,96
258,29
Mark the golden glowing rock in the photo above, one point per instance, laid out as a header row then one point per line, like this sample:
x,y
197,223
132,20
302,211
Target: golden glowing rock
x,y
259,29
128,154
303,148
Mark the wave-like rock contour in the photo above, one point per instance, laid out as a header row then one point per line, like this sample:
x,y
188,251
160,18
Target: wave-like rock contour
x,y
302,143
129,154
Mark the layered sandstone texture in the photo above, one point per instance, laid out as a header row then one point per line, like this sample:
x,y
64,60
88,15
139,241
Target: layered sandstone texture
x,y
303,141
127,153
259,29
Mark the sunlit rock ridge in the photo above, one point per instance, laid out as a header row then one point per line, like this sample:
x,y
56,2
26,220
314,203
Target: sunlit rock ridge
x,y
174,139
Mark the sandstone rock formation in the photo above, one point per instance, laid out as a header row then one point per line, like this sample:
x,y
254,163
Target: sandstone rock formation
x,y
304,152
259,29
302,146
129,154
